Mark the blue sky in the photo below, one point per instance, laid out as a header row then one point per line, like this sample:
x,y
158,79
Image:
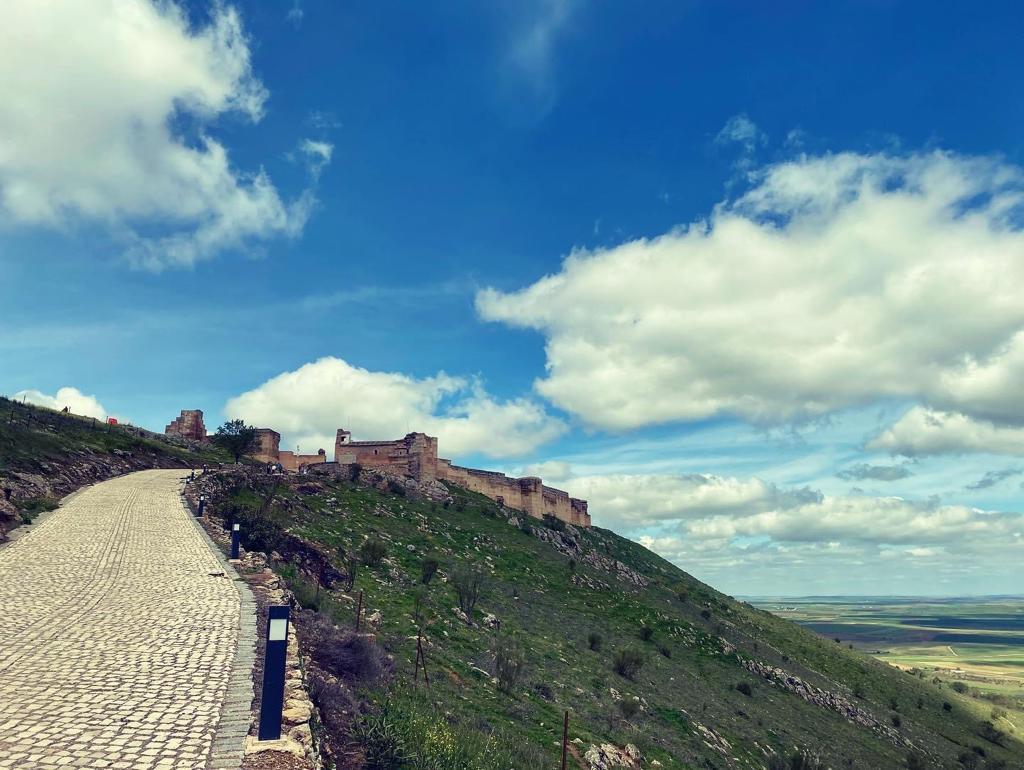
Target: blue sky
x,y
745,276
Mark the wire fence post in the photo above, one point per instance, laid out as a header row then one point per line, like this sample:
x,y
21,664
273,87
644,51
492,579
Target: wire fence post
x,y
565,739
359,611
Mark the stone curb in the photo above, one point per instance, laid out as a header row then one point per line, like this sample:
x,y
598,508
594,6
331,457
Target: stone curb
x,y
236,711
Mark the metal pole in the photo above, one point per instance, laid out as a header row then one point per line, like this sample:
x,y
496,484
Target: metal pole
x,y
272,698
565,739
234,540
359,611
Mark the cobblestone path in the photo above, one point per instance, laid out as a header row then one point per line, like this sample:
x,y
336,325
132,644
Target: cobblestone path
x,y
116,643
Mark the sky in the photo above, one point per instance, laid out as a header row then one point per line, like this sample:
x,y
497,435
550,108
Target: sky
x,y
747,277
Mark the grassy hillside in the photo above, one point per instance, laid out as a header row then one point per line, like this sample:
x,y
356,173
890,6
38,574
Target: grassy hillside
x,y
46,454
714,687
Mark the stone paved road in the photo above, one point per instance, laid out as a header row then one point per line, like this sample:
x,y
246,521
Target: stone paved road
x,y
116,644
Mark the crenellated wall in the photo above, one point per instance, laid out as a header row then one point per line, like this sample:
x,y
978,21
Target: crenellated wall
x,y
415,456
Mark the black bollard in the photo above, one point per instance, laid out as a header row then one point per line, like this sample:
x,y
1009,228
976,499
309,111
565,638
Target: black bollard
x,y
234,540
202,504
272,698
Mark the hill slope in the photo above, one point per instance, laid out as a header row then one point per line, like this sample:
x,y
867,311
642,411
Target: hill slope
x,y
720,683
45,455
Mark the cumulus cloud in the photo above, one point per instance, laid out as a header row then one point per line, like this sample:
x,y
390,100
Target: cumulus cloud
x,y
725,509
105,109
831,282
307,406
72,398
922,431
862,471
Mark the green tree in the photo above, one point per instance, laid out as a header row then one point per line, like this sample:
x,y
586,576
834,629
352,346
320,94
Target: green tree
x,y
236,437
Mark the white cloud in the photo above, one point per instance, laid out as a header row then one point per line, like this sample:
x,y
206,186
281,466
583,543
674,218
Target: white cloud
x,y
833,281
317,154
923,431
741,130
72,398
531,51
726,509
307,406
105,107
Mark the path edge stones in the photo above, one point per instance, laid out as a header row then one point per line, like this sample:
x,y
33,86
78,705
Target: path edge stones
x,y
235,719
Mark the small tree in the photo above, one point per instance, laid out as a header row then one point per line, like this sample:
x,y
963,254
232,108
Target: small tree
x,y
628,663
420,604
468,583
372,552
428,569
595,641
629,708
509,662
236,437
350,561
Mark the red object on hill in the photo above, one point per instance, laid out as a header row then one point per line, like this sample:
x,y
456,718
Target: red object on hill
x,y
111,421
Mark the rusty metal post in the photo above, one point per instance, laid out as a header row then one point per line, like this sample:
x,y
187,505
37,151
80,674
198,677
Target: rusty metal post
x,y
565,739
359,611
423,660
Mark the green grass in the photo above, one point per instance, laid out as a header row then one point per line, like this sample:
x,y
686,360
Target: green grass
x,y
552,608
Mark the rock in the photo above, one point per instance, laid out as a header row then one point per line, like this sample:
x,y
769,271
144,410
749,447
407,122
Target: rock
x,y
302,735
297,714
491,621
608,756
286,745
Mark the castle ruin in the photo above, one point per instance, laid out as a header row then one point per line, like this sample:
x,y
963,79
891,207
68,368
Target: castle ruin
x,y
268,450
416,456
189,424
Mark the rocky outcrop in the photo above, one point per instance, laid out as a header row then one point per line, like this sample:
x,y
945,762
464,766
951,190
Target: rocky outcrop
x,y
568,542
825,699
607,756
54,479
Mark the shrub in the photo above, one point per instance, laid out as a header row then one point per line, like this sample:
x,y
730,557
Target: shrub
x,y
552,522
858,690
801,759
646,633
920,703
628,663
896,721
543,690
969,760
682,596
468,583
894,704
959,687
629,708
420,605
916,761
706,614
991,733
428,568
372,552
509,661
594,641
525,527
396,488
355,659
350,561
665,651
745,688
947,706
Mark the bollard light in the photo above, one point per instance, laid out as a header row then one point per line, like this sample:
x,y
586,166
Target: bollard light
x,y
272,698
202,504
234,540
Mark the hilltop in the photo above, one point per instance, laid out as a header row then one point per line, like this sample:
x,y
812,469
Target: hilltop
x,y
656,668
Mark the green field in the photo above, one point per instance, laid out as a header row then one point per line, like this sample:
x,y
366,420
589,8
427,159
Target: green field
x,y
976,642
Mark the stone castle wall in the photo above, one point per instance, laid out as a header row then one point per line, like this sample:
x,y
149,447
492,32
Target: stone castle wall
x,y
416,456
189,424
268,450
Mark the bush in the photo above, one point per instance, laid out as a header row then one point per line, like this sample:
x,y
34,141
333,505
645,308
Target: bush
x,y
509,661
355,659
665,651
628,663
916,761
969,760
543,690
706,614
947,706
552,522
896,721
420,605
801,759
646,633
629,708
991,733
428,568
372,552
396,488
350,560
468,584
594,641
745,688
959,687
258,529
